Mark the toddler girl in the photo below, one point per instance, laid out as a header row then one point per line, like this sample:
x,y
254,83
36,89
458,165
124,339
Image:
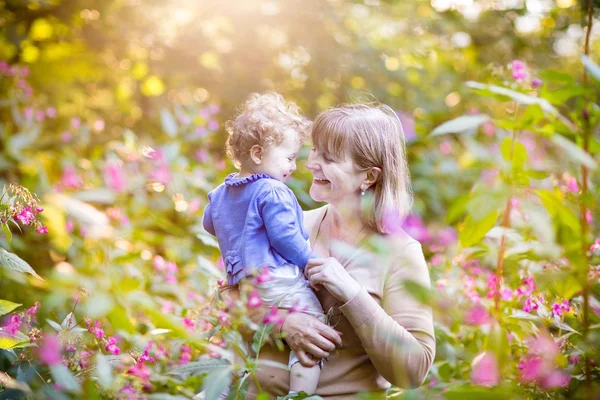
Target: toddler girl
x,y
256,217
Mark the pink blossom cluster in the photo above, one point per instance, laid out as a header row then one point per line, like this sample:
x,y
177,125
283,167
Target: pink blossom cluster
x,y
273,317
559,308
595,247
533,302
112,347
20,74
95,329
167,268
186,355
162,171
519,70
28,216
540,364
49,352
114,177
485,371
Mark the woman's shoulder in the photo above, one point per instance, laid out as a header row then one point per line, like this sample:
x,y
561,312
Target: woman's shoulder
x,y
405,254
312,217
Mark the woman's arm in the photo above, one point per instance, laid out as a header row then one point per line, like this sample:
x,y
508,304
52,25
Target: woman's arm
x,y
398,336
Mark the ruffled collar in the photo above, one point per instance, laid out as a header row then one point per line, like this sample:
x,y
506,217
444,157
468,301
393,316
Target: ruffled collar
x,y
233,180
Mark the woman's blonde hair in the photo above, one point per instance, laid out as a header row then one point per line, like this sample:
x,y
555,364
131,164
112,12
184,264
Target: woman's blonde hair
x,y
264,120
373,137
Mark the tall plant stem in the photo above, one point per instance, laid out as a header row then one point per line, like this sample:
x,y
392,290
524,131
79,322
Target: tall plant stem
x,y
505,224
585,228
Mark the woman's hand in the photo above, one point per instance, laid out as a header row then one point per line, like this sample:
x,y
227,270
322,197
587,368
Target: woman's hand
x,y
330,274
308,336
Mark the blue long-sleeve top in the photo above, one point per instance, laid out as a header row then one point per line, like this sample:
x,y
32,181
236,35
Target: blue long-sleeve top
x,y
258,222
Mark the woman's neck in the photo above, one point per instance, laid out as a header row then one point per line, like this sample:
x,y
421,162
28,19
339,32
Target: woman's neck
x,y
343,222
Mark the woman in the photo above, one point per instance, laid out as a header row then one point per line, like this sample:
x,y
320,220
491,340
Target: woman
x,y
379,333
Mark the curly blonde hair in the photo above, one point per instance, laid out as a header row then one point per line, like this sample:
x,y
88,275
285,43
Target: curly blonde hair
x,y
264,120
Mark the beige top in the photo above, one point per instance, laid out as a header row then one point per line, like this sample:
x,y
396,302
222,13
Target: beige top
x,y
387,335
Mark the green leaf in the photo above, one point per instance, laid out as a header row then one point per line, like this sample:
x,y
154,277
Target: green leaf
x,y
558,210
62,376
419,292
12,262
10,341
556,76
7,306
574,152
7,232
461,124
519,153
69,322
54,325
519,97
103,371
200,367
472,392
98,305
168,122
165,396
472,231
457,208
215,382
591,67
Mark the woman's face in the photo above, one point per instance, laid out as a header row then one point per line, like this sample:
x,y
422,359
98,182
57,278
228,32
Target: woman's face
x,y
334,182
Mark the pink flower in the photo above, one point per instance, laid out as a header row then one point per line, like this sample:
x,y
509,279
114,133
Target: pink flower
x,y
49,351
263,276
574,359
75,122
213,125
556,310
161,174
200,131
489,129
447,236
70,179
28,113
145,357
572,185
84,359
596,246
254,300
15,324
43,230
40,116
38,210
127,389
485,370
519,71
201,155
213,108
536,83
273,317
112,346
478,315
167,307
51,112
25,216
223,318
530,304
98,125
555,379
159,263
114,177
188,323
531,368
528,289
141,371
33,310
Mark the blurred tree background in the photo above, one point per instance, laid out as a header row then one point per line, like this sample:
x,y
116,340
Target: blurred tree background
x,y
112,113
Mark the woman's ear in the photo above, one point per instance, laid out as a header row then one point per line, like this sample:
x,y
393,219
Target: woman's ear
x,y
256,154
373,176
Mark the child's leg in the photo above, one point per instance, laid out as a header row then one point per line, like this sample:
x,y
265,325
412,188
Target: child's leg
x,y
303,378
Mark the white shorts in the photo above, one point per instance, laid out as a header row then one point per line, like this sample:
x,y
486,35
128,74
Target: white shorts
x,y
289,288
